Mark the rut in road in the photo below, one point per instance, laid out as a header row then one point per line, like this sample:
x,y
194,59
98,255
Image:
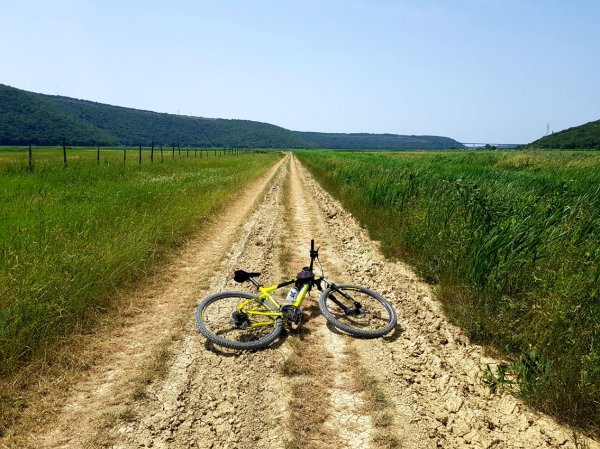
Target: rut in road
x,y
213,397
327,410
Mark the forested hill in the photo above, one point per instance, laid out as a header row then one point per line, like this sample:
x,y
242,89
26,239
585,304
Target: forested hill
x,y
379,141
45,119
579,137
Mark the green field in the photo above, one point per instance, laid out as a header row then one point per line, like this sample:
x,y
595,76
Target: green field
x,y
512,242
70,237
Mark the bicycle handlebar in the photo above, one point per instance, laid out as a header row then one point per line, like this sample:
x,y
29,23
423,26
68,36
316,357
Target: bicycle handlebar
x,y
313,253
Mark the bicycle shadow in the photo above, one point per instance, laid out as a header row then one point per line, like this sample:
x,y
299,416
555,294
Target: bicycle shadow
x,y
300,331
226,352
394,335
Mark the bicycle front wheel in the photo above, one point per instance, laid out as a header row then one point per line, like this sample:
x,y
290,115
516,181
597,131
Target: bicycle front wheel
x,y
357,310
238,320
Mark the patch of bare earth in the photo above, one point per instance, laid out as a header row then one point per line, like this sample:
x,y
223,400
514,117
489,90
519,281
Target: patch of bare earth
x,y
327,409
212,397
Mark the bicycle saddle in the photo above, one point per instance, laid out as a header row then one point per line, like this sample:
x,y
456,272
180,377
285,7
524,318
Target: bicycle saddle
x,y
242,276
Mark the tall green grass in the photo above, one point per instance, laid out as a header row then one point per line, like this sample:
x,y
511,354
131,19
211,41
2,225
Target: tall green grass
x,y
513,241
70,237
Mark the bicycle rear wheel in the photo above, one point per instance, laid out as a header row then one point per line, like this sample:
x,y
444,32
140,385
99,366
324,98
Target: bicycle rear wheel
x,y
357,310
220,319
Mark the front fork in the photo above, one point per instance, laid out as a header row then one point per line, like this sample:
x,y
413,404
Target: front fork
x,y
356,307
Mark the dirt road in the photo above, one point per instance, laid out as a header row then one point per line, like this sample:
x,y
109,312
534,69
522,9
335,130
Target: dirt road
x,y
315,388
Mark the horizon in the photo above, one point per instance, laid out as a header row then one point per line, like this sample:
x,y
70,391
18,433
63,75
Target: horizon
x,y
473,71
295,130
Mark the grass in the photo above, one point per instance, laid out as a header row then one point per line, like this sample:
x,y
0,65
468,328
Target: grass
x,y
294,366
512,240
375,402
71,237
309,404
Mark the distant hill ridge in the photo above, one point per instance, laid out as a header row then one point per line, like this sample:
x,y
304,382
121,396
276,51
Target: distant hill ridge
x,y
45,119
585,136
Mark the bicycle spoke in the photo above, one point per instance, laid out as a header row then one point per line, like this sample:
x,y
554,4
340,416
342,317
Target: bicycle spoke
x,y
238,319
358,310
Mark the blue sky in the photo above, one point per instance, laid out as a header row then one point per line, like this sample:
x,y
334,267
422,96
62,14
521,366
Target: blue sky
x,y
473,70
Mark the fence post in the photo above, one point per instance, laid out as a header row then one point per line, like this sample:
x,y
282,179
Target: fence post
x,y
64,152
195,152
125,154
30,159
98,156
173,151
178,149
152,152
162,159
140,153
187,150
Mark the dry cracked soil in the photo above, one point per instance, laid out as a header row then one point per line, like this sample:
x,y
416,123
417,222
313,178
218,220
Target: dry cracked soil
x,y
158,383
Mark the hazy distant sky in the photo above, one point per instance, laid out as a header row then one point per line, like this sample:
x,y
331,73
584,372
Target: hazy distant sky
x,y
474,70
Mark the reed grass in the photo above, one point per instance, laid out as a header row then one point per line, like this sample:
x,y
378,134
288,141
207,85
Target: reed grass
x,y
512,241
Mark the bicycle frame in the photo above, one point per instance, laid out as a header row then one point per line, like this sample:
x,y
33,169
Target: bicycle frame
x,y
353,309
265,295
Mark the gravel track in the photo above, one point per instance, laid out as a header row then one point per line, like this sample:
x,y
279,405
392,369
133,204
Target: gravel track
x,y
215,398
347,425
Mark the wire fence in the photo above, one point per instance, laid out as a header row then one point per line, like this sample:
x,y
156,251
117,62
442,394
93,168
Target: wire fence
x,y
125,154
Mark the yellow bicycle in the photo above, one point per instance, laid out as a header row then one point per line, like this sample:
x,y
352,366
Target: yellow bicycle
x,y
241,320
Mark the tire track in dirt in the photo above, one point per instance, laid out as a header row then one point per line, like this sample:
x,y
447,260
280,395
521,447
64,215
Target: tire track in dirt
x,y
213,397
428,370
84,415
346,423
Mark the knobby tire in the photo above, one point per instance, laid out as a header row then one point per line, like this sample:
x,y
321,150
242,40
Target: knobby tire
x,y
378,317
212,321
